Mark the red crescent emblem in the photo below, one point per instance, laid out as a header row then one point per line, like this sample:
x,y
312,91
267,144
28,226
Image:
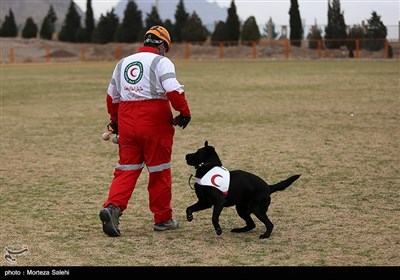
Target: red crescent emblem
x,y
213,179
133,69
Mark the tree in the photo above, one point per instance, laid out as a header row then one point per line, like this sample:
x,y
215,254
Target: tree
x,y
356,32
181,18
80,35
132,24
30,29
45,30
375,33
233,24
71,24
194,30
153,18
314,36
270,27
335,31
250,31
220,33
169,26
105,31
296,27
48,26
51,14
89,21
9,28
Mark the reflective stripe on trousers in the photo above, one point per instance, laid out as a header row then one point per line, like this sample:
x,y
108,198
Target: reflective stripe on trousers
x,y
157,168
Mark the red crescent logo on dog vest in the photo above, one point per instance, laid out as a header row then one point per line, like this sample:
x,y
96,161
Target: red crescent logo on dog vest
x,y
213,180
218,177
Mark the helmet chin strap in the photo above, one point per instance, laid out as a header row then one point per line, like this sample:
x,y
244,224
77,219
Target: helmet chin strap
x,y
161,49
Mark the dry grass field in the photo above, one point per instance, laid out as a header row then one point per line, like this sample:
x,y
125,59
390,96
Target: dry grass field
x,y
334,122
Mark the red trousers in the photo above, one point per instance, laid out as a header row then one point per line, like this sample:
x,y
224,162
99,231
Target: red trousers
x,y
145,138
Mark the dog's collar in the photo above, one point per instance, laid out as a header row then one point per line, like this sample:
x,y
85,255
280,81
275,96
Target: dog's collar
x,y
214,163
218,177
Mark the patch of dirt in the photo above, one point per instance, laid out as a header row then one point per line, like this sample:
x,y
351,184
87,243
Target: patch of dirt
x,y
62,53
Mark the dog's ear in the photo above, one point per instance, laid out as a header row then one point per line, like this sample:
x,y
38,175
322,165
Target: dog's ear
x,y
206,144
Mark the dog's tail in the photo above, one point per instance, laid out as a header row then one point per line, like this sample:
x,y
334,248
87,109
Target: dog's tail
x,y
283,184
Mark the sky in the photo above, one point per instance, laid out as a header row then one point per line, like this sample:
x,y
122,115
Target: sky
x,y
311,11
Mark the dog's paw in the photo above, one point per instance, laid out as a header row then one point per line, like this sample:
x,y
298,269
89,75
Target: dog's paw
x,y
218,231
265,235
189,216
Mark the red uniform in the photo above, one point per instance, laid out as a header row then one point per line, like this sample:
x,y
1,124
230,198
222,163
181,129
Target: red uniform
x,y
142,88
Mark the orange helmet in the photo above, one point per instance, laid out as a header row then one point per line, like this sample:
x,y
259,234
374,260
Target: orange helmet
x,y
161,33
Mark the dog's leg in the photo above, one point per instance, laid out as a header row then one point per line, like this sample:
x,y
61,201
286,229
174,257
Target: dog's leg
x,y
203,202
218,201
244,213
215,217
198,206
261,214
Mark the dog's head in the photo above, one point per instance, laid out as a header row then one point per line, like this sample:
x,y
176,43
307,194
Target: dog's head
x,y
206,154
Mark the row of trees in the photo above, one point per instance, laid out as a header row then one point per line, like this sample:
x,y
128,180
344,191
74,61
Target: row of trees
x,y
372,36
189,27
30,30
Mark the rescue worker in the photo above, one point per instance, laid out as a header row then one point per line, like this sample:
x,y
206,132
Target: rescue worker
x,y
141,92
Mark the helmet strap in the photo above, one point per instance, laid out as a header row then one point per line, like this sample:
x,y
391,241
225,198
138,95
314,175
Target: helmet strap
x,y
156,42
161,49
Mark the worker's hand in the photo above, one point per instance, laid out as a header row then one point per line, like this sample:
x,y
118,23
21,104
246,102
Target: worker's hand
x,y
181,121
113,127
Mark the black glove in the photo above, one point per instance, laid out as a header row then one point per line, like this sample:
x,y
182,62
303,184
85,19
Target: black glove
x,y
113,127
181,121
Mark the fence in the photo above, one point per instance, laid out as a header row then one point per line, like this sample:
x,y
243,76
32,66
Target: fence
x,y
36,50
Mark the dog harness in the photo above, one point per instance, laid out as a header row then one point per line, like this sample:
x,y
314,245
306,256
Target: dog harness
x,y
218,177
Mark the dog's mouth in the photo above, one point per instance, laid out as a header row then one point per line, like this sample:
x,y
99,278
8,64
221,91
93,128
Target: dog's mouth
x,y
192,161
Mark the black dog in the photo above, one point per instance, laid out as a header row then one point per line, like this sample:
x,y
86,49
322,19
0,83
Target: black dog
x,y
248,192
